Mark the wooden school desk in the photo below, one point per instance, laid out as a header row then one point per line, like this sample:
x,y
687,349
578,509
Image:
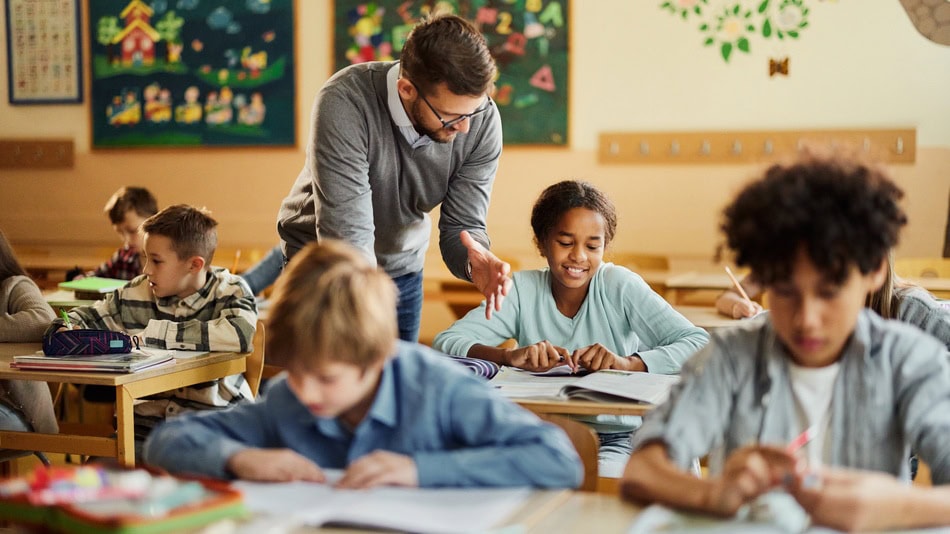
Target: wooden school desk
x,y
128,386
679,285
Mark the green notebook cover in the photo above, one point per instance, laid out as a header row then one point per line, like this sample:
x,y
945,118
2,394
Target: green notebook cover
x,y
93,284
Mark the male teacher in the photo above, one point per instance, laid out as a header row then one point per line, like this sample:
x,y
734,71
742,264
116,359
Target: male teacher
x,y
392,140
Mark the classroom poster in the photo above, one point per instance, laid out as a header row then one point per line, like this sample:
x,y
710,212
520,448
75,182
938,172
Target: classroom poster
x,y
192,73
527,38
44,56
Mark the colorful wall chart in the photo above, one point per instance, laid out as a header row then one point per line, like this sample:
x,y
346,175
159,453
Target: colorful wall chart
x,y
528,39
44,56
192,73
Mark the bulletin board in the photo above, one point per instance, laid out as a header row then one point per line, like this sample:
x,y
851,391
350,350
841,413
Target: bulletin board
x,y
44,55
527,38
192,73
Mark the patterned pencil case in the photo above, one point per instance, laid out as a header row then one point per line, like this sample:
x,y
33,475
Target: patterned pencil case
x,y
87,341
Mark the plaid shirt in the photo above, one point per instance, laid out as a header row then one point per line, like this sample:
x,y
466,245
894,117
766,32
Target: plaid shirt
x,y
221,316
125,264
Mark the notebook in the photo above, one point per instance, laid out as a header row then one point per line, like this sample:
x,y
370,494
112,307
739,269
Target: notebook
x,y
109,363
283,507
621,386
93,284
93,287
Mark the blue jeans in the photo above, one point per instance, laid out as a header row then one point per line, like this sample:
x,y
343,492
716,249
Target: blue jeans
x,y
11,419
409,308
263,273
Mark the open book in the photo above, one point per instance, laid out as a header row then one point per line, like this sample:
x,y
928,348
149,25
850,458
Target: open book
x,y
283,506
621,386
136,360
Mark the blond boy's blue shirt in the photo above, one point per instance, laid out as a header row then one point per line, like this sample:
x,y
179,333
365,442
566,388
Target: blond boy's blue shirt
x,y
458,430
891,394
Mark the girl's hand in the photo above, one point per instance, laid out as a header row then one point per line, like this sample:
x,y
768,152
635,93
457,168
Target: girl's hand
x,y
597,357
538,358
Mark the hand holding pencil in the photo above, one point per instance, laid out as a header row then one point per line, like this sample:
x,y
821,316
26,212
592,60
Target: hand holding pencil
x,y
739,305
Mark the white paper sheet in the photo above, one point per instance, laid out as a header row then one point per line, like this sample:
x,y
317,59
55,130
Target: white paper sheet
x,y
417,510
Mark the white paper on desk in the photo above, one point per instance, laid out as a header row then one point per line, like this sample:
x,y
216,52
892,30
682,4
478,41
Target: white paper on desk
x,y
174,353
515,383
411,509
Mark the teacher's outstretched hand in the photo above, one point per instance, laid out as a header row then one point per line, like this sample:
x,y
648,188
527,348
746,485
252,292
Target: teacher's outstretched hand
x,y
489,274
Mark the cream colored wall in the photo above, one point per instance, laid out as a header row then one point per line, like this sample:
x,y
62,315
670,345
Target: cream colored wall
x,y
634,67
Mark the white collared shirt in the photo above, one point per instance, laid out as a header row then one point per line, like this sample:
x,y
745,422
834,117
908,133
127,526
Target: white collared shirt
x,y
398,113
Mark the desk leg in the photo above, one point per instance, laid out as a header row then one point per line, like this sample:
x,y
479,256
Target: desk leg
x,y
125,427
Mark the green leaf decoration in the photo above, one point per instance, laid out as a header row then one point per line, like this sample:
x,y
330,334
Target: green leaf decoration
x,y
793,34
709,41
804,24
743,44
763,6
684,14
697,10
703,27
666,4
750,28
780,34
726,51
735,9
767,28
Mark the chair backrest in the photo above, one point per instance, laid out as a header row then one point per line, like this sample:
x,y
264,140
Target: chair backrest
x,y
585,441
634,261
922,267
255,360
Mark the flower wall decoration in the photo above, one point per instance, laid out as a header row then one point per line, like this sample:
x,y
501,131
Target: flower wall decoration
x,y
734,24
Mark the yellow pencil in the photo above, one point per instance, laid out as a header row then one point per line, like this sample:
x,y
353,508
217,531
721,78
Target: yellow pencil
x,y
737,284
237,260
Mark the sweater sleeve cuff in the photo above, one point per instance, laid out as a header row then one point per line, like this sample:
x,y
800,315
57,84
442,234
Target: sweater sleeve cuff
x,y
658,363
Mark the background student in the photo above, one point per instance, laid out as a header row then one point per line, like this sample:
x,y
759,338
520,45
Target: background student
x,y
355,398
579,311
180,302
24,404
426,119
863,389
896,299
127,209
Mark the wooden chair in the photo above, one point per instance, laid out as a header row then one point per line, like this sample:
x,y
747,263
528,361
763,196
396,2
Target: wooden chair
x,y
585,441
255,360
922,267
634,261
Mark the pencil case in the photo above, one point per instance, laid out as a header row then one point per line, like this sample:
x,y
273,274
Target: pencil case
x,y
87,341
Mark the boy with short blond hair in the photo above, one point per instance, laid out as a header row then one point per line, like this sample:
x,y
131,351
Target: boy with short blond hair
x,y
388,412
127,209
180,302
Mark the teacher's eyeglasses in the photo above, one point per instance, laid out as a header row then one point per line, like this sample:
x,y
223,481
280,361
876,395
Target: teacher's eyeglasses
x,y
451,123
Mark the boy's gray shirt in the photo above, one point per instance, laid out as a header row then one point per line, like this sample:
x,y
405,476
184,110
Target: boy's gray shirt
x,y
892,394
363,183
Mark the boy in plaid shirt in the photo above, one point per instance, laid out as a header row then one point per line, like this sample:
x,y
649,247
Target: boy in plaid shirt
x,y
179,302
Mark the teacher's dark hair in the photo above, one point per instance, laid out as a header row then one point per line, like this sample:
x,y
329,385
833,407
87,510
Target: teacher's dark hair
x,y
447,48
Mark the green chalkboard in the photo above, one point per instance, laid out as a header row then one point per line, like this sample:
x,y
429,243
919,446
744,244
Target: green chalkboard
x,y
192,72
528,39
